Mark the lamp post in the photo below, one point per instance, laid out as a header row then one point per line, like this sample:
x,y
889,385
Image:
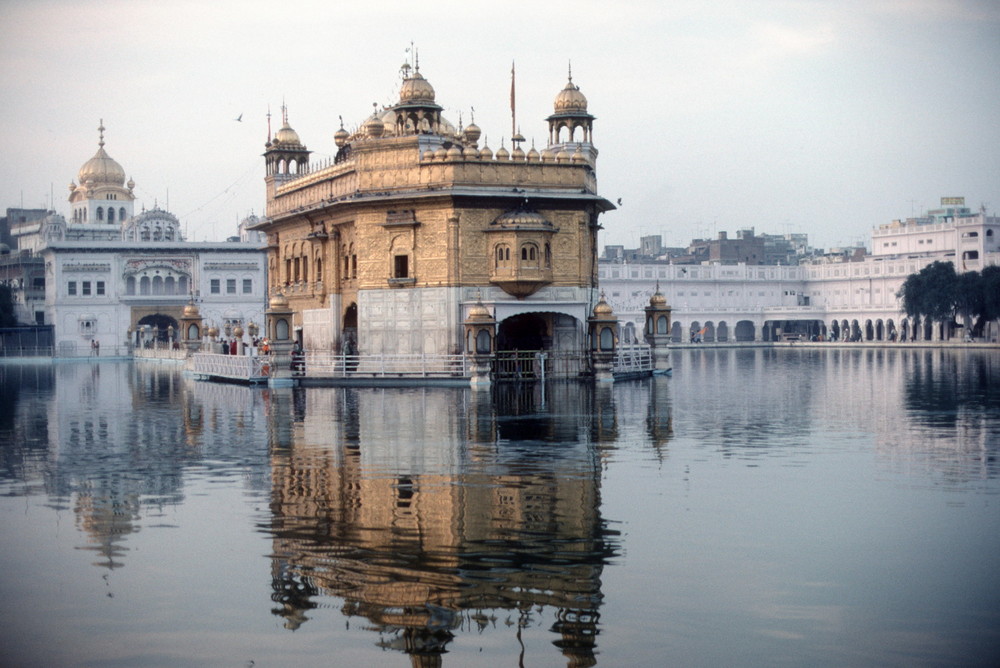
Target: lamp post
x,y
480,334
603,337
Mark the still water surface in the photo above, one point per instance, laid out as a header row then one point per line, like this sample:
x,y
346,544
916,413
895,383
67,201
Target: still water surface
x,y
759,508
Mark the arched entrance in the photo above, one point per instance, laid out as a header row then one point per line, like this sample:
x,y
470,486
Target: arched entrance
x,y
525,331
349,342
158,329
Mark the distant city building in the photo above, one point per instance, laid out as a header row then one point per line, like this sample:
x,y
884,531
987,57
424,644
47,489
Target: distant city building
x,y
843,294
390,246
106,276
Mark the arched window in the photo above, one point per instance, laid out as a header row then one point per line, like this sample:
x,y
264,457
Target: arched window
x,y
121,213
130,285
319,269
169,286
144,285
157,285
111,214
100,214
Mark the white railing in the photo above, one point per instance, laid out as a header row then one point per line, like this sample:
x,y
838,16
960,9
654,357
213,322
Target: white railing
x,y
323,364
251,368
160,353
633,359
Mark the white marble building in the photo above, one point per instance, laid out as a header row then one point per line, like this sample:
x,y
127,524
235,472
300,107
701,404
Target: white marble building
x,y
113,276
831,297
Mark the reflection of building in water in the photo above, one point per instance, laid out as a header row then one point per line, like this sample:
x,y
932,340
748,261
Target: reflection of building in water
x,y
114,439
927,405
422,523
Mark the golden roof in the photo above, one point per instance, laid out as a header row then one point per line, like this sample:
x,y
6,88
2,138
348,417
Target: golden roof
x,y
102,168
570,99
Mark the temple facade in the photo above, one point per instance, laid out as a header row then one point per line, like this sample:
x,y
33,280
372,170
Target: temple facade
x,y
390,245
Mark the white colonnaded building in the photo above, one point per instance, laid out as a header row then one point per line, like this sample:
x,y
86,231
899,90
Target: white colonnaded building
x,y
837,297
112,276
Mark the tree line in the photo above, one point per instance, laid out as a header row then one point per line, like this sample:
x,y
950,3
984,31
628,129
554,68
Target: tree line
x,y
938,293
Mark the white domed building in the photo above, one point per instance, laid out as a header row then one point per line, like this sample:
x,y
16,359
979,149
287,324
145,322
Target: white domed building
x,y
114,276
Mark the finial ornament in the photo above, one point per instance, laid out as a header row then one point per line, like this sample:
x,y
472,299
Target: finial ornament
x,y
100,129
571,71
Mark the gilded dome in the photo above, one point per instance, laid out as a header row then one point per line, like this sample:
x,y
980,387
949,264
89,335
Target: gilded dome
x,y
657,300
191,311
602,309
472,133
102,169
502,153
340,136
415,88
286,135
570,99
374,127
279,302
480,312
522,218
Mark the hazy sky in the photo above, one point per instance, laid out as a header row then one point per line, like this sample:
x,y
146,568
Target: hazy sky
x,y
823,117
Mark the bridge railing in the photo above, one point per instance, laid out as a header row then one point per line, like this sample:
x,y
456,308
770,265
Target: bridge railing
x,y
250,368
632,359
325,364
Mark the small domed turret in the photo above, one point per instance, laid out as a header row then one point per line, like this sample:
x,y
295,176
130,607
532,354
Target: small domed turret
x,y
472,133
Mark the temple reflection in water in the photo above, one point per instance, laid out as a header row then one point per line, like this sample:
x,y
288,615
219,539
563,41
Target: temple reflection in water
x,y
427,511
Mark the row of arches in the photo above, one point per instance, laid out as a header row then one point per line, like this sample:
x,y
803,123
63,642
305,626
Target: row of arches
x,y
530,255
157,285
80,215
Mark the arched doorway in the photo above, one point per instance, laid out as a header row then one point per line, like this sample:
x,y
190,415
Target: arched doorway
x,y
744,330
159,329
525,331
349,340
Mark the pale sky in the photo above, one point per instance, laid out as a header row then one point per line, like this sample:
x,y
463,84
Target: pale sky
x,y
822,117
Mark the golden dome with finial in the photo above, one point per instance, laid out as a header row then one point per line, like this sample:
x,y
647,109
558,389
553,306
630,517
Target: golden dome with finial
x,y
415,88
102,169
602,310
472,133
191,311
278,302
374,127
658,300
286,135
570,98
340,136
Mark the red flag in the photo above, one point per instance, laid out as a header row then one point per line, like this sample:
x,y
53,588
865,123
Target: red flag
x,y
513,116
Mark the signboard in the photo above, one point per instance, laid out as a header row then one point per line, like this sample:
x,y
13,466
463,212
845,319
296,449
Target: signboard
x,y
952,201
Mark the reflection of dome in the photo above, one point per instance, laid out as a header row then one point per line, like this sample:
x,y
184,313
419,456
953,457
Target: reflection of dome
x,y
415,89
102,169
570,98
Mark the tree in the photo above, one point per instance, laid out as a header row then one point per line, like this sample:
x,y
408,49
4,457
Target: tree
x,y
932,293
990,291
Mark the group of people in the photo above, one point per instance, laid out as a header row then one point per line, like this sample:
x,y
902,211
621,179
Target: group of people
x,y
232,347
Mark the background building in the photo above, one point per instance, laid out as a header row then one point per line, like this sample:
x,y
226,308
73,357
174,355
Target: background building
x,y
842,294
106,275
